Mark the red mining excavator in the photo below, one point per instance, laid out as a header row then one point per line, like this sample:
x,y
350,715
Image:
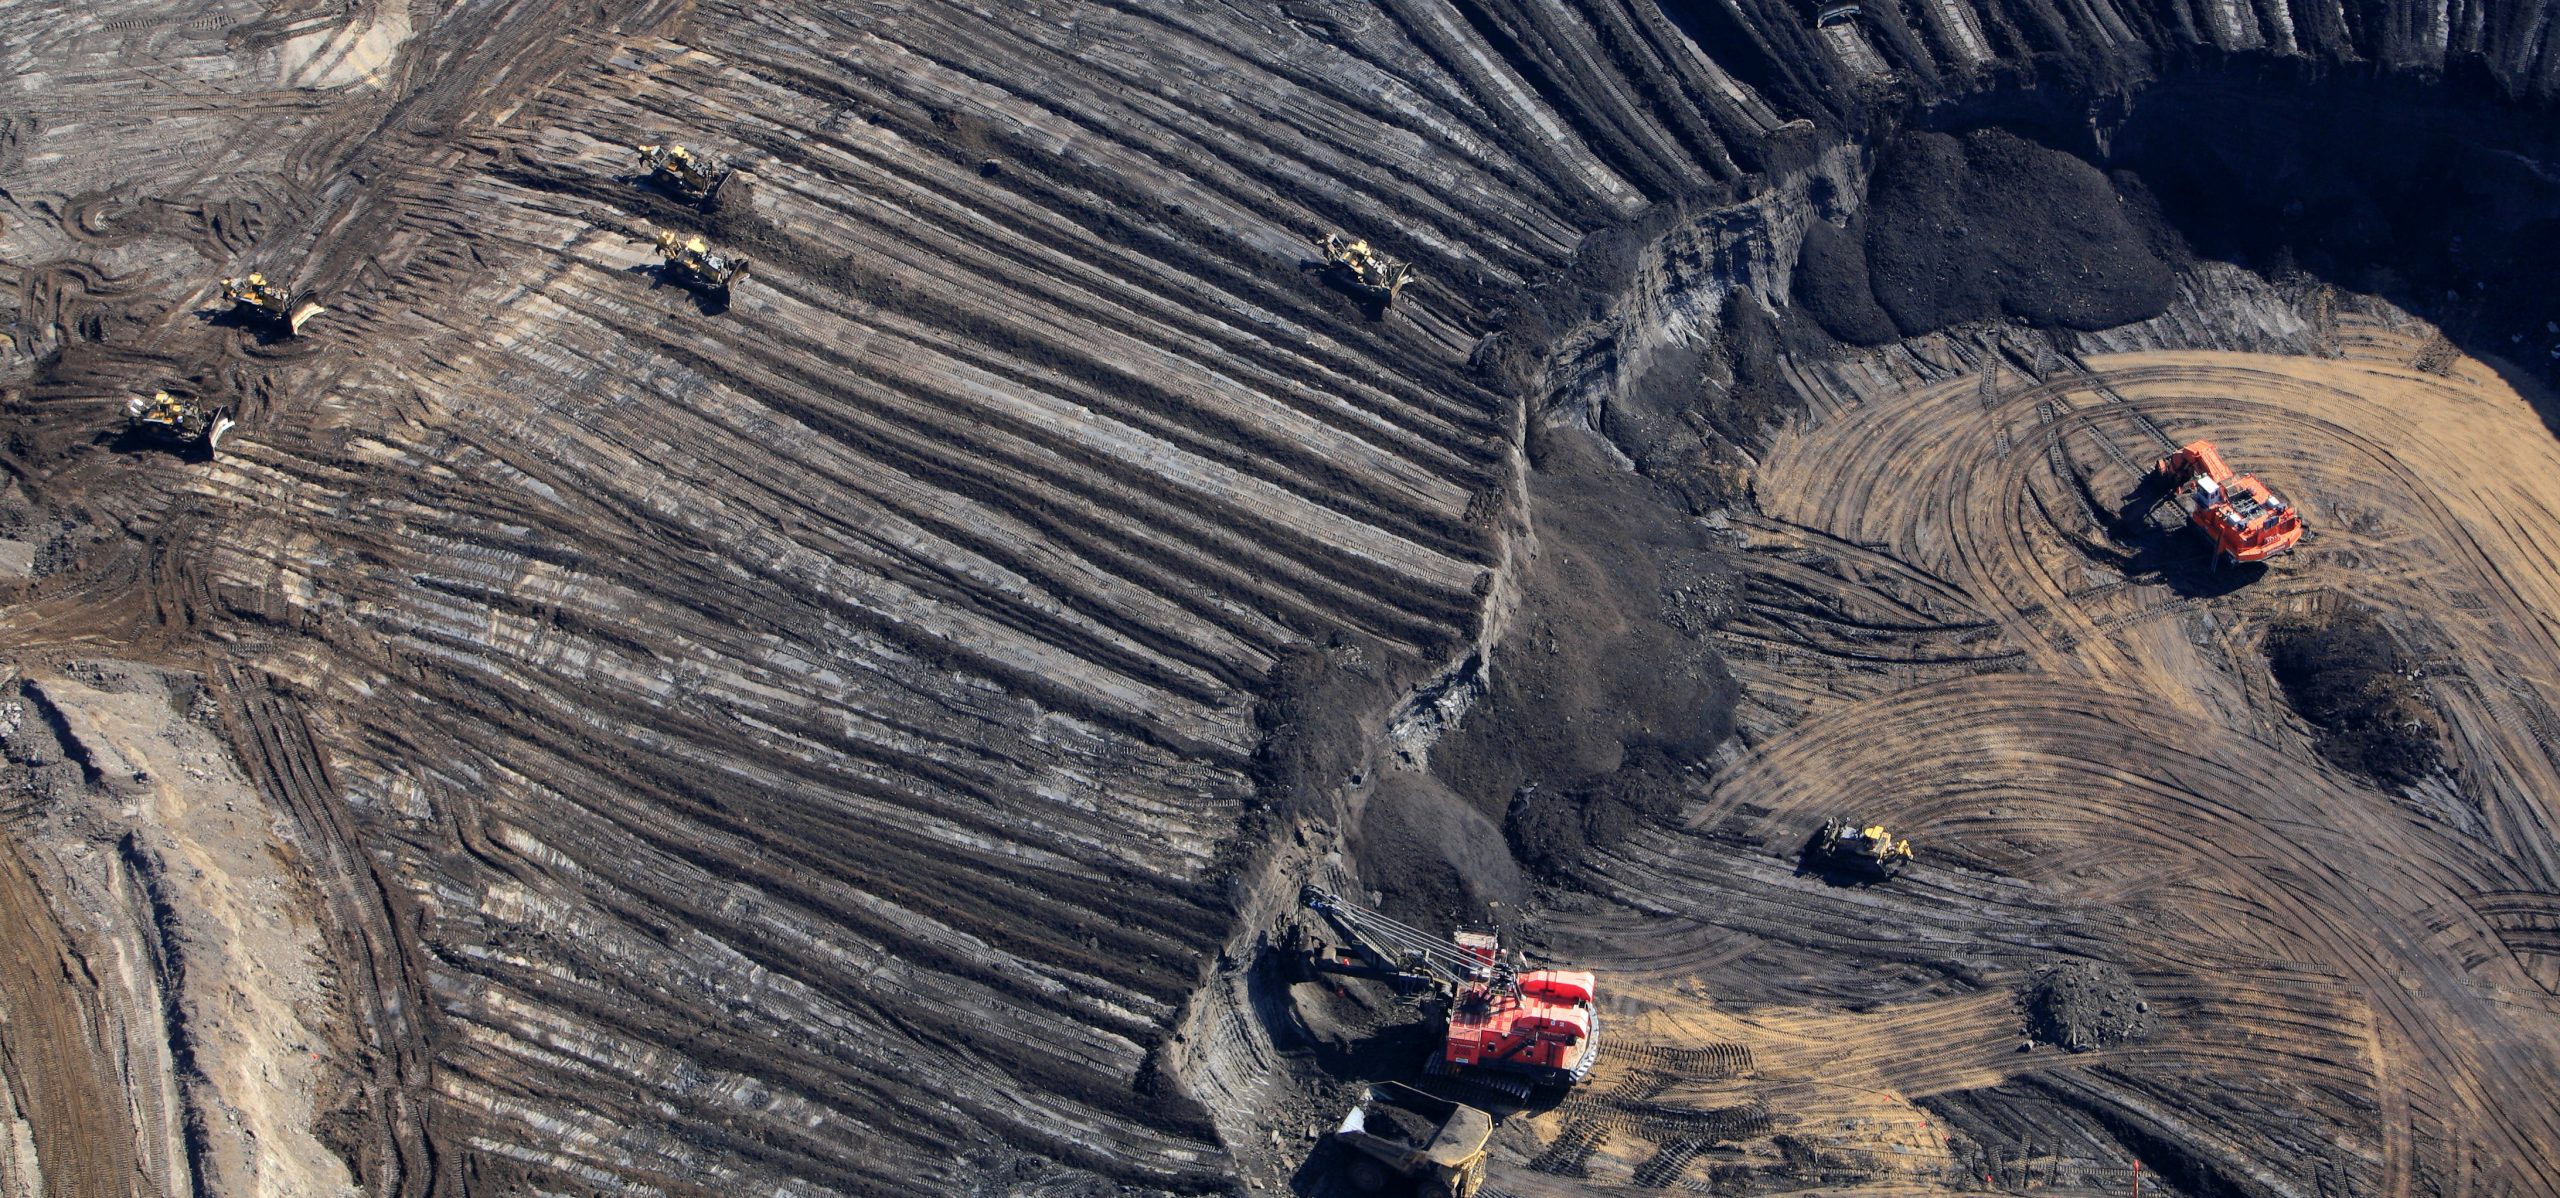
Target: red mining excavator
x,y
2245,520
1535,1024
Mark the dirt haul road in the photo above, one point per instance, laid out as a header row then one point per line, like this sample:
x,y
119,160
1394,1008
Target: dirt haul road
x,y
2355,985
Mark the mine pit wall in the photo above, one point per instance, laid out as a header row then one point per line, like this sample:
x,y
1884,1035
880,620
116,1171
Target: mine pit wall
x,y
1222,1050
583,1041
1683,266
1688,266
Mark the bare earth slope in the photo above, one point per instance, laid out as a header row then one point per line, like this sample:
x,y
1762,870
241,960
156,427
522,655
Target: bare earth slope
x,y
807,743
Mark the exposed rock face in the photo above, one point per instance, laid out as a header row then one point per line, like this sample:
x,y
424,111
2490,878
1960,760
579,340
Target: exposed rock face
x,y
812,742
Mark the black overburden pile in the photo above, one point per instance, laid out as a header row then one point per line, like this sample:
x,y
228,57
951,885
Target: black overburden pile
x,y
2346,675
2082,1005
1983,226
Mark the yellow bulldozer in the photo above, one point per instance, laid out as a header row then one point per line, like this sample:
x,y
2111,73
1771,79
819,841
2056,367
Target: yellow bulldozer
x,y
1861,848
1375,276
265,303
178,421
681,173
689,260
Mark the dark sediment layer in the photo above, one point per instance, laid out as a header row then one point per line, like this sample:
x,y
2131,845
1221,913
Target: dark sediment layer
x,y
822,738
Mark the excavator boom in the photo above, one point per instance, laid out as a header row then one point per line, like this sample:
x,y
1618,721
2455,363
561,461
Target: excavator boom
x,y
1541,1023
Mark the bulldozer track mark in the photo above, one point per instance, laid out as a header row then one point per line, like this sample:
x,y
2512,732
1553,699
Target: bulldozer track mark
x,y
1569,1154
2098,384
1657,1121
767,746
1711,1062
283,759
1668,1162
68,1098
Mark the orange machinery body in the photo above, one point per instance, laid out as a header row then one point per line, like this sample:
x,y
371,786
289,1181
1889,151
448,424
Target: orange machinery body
x,y
1541,1026
2245,520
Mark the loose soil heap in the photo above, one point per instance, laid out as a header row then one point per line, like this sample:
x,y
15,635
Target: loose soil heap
x,y
2082,1005
2347,675
1981,227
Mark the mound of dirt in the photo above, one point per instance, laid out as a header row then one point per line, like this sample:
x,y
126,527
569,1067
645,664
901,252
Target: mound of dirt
x,y
1434,859
1688,419
1551,830
2082,1005
1621,575
2347,674
1981,227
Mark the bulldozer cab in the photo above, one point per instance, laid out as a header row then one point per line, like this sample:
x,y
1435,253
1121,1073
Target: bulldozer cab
x,y
690,261
678,170
253,297
1864,847
168,418
1374,275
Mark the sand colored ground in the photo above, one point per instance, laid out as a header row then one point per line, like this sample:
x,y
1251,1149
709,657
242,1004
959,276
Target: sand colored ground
x,y
170,1022
2357,987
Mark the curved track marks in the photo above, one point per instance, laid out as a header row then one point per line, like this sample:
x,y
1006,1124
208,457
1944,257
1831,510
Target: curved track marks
x,y
2114,776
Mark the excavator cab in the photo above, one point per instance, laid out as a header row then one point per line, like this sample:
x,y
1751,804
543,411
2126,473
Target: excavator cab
x,y
1373,276
2243,517
179,422
682,173
689,260
265,303
1846,844
1512,1028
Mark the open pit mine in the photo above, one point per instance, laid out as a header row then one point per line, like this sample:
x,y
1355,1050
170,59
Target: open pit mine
x,y
1478,598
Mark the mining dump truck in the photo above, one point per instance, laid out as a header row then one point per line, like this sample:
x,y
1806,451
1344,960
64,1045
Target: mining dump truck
x,y
1534,1026
1845,844
1366,272
1400,1132
2243,518
264,303
177,421
689,260
681,173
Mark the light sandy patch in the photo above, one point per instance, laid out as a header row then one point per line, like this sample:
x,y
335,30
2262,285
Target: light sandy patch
x,y
348,55
254,989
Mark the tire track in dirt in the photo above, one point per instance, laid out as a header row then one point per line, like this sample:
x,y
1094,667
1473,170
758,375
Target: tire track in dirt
x,y
75,1109
2323,949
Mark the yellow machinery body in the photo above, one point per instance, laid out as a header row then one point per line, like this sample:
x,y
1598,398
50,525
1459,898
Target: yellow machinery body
x,y
678,170
689,261
1380,277
279,307
176,420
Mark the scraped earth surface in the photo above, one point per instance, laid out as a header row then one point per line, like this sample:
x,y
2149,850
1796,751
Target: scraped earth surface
x,y
1955,640
866,736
